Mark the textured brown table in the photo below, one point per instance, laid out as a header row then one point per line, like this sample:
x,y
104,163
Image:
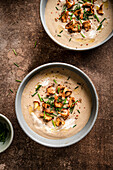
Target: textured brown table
x,y
20,27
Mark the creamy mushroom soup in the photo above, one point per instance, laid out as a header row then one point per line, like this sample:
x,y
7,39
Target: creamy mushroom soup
x,y
79,24
56,103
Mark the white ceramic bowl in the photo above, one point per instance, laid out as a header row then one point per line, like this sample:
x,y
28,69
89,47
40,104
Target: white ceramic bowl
x,y
61,142
4,146
42,16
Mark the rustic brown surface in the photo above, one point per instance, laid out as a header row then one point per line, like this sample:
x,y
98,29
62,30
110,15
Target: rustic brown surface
x,y
20,27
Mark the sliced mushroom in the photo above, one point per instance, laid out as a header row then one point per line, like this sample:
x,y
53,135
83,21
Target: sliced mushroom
x,y
67,92
87,25
64,16
79,13
100,10
71,102
70,3
58,104
74,26
65,113
36,105
45,105
60,90
48,110
58,121
47,117
90,7
50,90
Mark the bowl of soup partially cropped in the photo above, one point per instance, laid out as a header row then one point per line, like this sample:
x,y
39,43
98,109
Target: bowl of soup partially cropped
x,y
56,104
78,25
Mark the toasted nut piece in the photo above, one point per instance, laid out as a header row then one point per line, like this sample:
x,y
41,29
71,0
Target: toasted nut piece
x,y
36,104
70,3
71,101
65,113
74,26
47,118
50,90
87,25
45,105
57,104
58,121
79,13
64,16
100,10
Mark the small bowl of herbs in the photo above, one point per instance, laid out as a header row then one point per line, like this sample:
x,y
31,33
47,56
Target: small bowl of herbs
x,y
6,133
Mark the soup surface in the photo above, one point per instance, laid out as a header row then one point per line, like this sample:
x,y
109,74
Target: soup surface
x,y
56,103
79,24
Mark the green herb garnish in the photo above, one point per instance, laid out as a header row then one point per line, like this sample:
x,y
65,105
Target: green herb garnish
x,y
68,78
40,97
74,126
97,18
82,35
44,115
49,115
102,20
70,39
55,81
56,8
77,87
99,27
19,81
16,64
59,35
78,111
61,31
3,132
71,17
58,90
53,123
74,102
14,52
34,94
38,87
11,90
78,27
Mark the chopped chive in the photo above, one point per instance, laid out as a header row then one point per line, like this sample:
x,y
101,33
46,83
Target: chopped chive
x,y
56,8
35,44
97,18
74,126
74,102
79,83
38,87
78,111
16,64
82,35
49,115
58,90
55,81
53,123
78,27
40,97
61,31
99,27
102,20
70,39
44,115
68,78
71,17
11,90
14,52
80,2
76,87
34,94
80,20
59,35
65,101
54,114
19,81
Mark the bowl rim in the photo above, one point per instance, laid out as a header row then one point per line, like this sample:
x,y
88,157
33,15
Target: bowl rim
x,y
12,132
32,73
64,46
